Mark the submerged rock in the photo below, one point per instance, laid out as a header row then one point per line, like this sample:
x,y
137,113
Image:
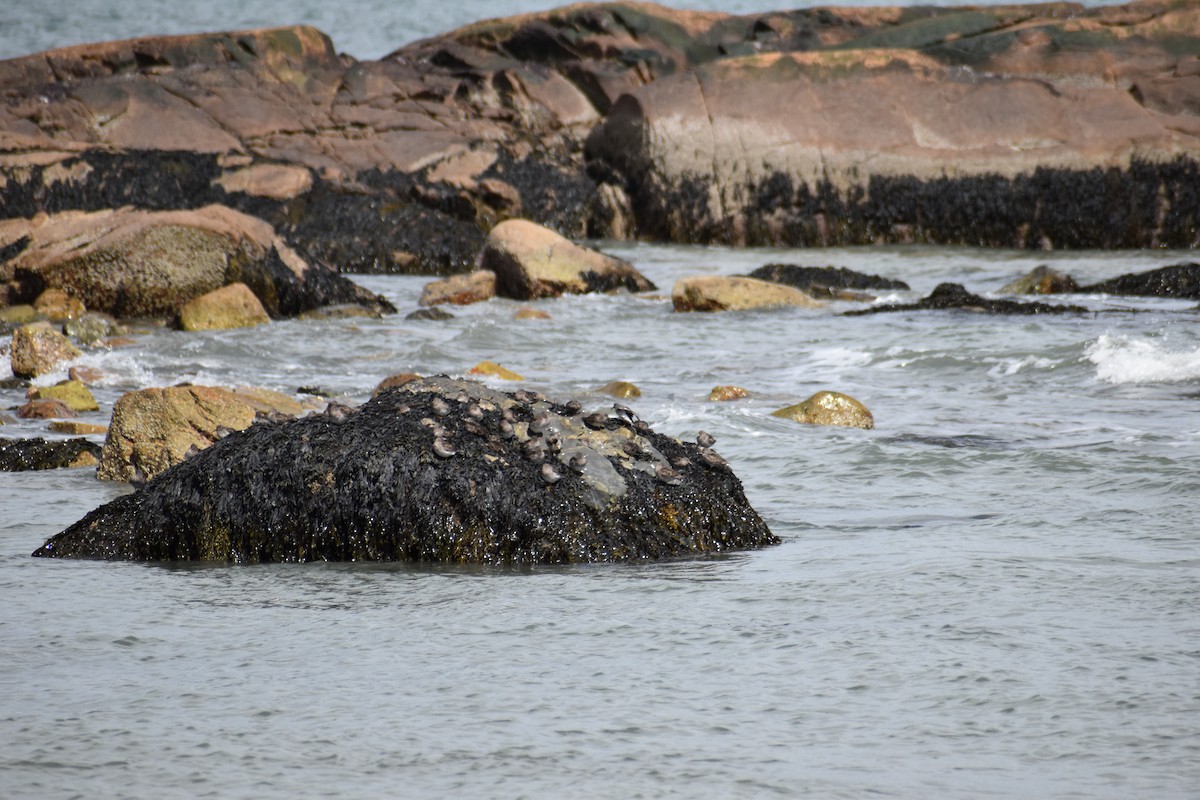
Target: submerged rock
x,y
20,455
1041,280
621,389
720,293
720,394
825,281
1177,280
438,470
460,290
953,297
829,408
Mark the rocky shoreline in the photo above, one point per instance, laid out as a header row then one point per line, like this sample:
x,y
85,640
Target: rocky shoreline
x,y
228,180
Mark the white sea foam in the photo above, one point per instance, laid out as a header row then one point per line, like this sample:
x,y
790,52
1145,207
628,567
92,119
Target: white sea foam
x,y
1004,367
1126,359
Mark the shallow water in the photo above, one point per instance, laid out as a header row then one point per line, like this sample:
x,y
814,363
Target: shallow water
x,y
992,594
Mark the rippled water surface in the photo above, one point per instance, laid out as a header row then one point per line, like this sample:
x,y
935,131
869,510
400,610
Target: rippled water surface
x,y
992,594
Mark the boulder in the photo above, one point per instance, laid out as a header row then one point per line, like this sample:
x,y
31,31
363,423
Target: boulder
x,y
531,261
136,263
1177,280
45,408
152,429
71,393
58,305
37,350
721,293
436,470
720,394
20,455
1041,280
460,290
833,282
232,306
953,297
829,408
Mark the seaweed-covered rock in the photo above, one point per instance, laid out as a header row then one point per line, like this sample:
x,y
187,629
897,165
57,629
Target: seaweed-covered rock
x,y
436,470
825,281
953,297
732,293
1177,280
532,261
19,455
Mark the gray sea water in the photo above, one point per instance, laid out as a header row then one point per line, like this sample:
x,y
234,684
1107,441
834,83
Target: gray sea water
x,y
992,594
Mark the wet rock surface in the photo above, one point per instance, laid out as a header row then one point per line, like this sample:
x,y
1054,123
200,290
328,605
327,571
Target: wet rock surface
x,y
721,293
825,281
953,297
20,455
1177,280
438,470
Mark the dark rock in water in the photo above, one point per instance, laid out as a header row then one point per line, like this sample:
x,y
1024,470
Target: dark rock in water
x,y
953,297
371,485
824,281
1177,280
20,455
434,314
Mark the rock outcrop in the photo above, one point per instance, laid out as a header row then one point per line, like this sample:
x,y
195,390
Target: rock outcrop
x,y
1028,126
953,297
134,263
1039,125
435,470
531,261
721,293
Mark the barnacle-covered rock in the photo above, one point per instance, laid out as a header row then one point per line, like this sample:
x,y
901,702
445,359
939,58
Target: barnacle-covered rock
x,y
437,469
